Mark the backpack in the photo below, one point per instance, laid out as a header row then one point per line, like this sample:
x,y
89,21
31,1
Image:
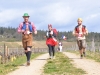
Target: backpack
x,y
55,32
77,29
30,26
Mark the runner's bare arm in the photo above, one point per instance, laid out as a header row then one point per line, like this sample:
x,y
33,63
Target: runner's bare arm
x,y
74,33
86,32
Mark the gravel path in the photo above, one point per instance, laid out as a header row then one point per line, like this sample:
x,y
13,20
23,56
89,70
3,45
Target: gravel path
x,y
90,66
34,69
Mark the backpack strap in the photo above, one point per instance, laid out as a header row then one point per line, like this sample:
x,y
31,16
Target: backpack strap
x,y
77,29
24,26
83,28
30,27
55,32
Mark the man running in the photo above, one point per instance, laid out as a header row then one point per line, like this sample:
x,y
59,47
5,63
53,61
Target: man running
x,y
80,32
26,28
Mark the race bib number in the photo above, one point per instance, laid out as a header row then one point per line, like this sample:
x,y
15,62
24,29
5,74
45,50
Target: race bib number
x,y
80,35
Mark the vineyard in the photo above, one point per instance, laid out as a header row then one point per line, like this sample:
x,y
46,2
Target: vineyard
x,y
10,54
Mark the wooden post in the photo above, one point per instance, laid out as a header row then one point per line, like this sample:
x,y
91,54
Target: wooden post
x,y
3,59
7,51
93,45
4,49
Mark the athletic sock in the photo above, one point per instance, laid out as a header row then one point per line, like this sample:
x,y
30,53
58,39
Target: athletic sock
x,y
81,56
84,54
28,55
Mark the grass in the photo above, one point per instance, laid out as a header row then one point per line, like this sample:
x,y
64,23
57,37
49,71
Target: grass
x,y
11,66
61,66
93,55
90,55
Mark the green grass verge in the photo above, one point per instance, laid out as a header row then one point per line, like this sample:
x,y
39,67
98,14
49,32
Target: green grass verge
x,y
61,66
93,55
90,55
11,66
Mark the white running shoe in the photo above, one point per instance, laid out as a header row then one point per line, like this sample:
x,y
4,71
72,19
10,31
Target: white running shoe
x,y
50,57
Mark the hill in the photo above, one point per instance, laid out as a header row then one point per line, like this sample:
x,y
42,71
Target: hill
x,y
10,34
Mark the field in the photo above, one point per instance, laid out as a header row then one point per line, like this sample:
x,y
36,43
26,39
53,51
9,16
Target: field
x,y
36,44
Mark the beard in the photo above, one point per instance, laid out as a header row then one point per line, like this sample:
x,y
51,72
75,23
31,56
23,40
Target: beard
x,y
79,23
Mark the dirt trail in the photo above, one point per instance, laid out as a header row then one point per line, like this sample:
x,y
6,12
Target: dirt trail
x,y
90,66
34,69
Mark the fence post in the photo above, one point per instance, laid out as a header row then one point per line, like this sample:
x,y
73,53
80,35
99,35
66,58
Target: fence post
x,y
93,45
3,56
4,49
7,51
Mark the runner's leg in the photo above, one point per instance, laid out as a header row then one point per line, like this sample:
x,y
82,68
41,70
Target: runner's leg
x,y
28,57
50,50
29,46
79,42
28,54
84,47
53,50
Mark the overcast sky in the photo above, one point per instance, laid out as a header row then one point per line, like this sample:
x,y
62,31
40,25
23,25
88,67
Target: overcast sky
x,y
62,14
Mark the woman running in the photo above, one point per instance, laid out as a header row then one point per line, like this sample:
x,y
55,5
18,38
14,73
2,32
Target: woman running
x,y
51,40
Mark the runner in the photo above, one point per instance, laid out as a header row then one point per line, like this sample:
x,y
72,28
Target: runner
x,y
26,28
51,40
80,32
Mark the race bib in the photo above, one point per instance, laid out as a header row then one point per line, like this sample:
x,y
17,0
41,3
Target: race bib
x,y
80,35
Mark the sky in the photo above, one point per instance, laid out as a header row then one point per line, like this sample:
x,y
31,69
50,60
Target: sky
x,y
62,14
